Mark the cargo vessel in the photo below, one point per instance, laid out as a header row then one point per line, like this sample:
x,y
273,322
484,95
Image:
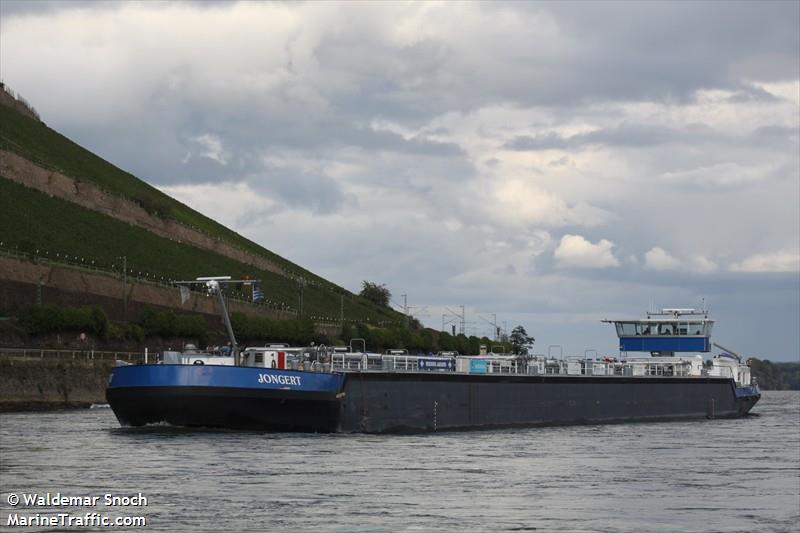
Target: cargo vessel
x,y
324,389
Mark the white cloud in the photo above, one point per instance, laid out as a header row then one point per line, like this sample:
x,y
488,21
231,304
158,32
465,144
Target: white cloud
x,y
788,90
211,146
524,202
659,259
576,251
780,261
702,265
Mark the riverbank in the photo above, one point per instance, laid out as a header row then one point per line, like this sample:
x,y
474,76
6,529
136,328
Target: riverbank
x,y
28,384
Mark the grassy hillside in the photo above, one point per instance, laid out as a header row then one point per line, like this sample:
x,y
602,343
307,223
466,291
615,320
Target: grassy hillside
x,y
35,223
38,143
31,221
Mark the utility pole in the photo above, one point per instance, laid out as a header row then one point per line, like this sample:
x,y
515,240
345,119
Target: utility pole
x,y
301,297
449,320
405,307
493,322
124,288
341,308
463,321
461,316
39,291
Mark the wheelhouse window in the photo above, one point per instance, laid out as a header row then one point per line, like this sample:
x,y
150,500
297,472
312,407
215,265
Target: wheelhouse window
x,y
699,328
666,329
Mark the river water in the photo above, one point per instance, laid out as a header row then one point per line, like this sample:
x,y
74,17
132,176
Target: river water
x,y
710,475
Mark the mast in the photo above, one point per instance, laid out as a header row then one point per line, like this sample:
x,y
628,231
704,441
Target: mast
x,y
212,284
213,287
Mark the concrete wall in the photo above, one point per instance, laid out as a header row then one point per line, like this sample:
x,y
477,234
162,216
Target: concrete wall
x,y
39,384
23,283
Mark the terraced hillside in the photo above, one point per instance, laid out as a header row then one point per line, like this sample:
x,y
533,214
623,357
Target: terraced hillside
x,y
47,148
52,223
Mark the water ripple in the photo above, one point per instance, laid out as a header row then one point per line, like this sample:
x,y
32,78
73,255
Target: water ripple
x,y
720,475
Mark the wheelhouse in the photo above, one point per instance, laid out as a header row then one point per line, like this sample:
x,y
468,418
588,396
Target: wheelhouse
x,y
669,330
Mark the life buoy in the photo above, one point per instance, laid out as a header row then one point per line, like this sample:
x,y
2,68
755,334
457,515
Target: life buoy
x,y
198,362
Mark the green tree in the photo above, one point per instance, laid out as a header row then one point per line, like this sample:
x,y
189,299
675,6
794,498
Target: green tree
x,y
99,322
375,293
775,376
521,342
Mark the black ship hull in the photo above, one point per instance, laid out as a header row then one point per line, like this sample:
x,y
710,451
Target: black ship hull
x,y
224,407
391,402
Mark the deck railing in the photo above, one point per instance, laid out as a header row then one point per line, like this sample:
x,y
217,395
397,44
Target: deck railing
x,y
537,366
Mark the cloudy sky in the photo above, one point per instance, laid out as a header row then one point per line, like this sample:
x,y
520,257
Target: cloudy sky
x,y
548,163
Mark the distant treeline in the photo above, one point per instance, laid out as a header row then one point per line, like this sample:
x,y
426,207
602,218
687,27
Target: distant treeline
x,y
775,376
413,338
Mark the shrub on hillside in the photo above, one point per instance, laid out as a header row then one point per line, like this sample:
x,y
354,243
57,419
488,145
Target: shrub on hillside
x,y
50,318
259,329
169,324
125,332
